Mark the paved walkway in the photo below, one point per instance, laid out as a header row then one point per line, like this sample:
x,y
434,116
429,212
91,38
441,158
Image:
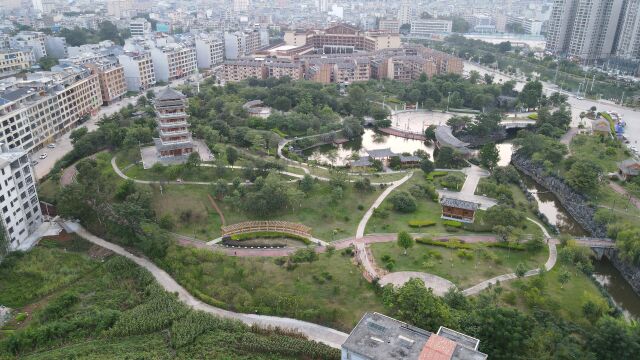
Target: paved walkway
x,y
551,262
439,285
331,337
365,219
468,191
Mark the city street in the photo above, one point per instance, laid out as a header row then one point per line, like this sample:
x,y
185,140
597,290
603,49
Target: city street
x,y
630,116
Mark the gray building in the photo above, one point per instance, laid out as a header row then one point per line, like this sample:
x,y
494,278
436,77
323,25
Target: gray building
x,y
379,337
628,46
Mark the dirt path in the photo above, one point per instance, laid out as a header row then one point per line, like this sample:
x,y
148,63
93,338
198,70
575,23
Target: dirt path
x,y
622,191
215,206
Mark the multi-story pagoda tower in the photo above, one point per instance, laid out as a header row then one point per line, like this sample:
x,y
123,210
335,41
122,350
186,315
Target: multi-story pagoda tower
x,y
175,141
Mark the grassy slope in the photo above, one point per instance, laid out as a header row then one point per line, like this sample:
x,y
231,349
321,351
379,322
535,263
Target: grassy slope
x,y
258,284
108,285
462,272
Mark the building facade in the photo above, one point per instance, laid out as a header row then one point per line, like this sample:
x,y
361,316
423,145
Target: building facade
x,y
173,61
628,46
209,52
14,61
430,26
138,70
139,27
19,204
113,86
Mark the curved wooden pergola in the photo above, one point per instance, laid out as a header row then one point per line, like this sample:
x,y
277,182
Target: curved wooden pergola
x,y
269,226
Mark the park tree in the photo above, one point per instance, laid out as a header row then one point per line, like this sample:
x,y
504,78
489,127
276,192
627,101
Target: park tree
x,y
457,122
430,133
584,176
531,94
426,166
418,305
504,46
306,183
521,270
395,163
449,158
232,155
220,189
193,161
628,242
503,332
403,202
504,215
489,156
405,240
563,277
358,101
352,128
269,198
77,134
615,339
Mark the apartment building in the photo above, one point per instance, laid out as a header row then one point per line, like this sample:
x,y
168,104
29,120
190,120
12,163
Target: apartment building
x,y
19,204
139,27
56,47
628,46
14,61
209,51
238,70
138,70
428,27
405,12
389,25
34,111
113,86
241,43
530,26
281,68
33,40
174,61
585,30
407,68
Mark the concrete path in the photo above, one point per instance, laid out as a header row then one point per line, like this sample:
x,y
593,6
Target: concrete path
x,y
331,337
365,219
551,262
439,285
468,191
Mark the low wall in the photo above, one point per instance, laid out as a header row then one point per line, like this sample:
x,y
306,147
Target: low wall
x,y
574,203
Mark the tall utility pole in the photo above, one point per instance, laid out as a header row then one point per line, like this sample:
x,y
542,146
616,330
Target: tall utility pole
x,y
593,81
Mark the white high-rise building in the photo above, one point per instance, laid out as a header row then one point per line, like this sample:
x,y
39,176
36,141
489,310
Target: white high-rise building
x,y
209,51
139,27
629,37
323,5
19,204
37,5
584,29
241,5
405,13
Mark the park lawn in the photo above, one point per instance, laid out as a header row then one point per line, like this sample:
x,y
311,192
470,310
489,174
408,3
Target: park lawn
x,y
374,177
330,291
610,201
328,220
397,221
126,157
590,148
189,208
194,216
565,301
485,264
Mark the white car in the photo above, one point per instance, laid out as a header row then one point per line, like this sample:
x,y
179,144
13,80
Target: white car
x,y
43,156
51,146
580,97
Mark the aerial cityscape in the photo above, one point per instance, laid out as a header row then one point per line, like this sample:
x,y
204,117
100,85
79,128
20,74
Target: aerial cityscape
x,y
326,179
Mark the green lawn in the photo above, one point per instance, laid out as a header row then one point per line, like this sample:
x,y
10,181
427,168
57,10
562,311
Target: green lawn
x,y
605,154
328,220
395,221
548,293
203,173
329,291
484,263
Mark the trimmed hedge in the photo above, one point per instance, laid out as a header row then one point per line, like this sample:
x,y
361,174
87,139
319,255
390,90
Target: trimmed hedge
x,y
507,245
452,223
435,174
533,116
421,223
269,235
450,244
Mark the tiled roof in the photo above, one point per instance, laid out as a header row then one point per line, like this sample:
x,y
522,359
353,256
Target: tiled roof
x,y
457,203
170,94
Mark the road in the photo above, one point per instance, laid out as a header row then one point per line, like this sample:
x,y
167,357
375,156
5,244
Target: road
x,y
631,116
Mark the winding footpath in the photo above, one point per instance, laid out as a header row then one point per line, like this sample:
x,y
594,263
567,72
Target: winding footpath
x,y
328,336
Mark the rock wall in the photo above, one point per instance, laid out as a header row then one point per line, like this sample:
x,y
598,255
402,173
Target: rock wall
x,y
630,273
574,203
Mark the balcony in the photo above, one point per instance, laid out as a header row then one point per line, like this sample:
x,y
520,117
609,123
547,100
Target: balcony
x,y
172,115
180,132
166,125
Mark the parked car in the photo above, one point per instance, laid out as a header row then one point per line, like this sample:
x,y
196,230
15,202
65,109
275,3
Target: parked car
x,y
43,156
51,146
34,163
